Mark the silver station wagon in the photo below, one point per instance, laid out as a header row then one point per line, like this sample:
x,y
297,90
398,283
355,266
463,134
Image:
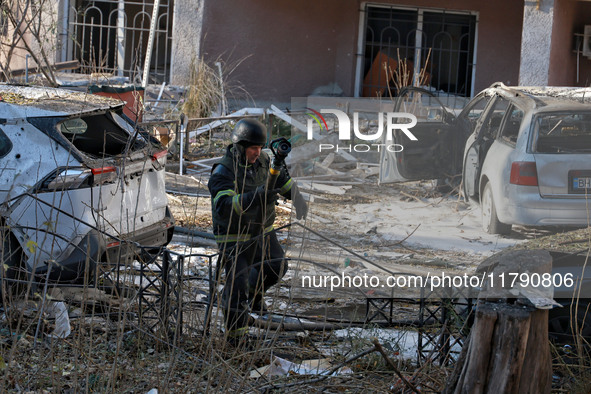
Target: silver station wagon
x,y
524,152
79,184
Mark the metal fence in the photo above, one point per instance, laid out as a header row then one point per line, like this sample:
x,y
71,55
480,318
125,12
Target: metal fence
x,y
111,36
161,294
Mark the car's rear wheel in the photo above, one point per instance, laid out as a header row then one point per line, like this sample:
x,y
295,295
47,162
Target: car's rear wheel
x,y
490,222
561,323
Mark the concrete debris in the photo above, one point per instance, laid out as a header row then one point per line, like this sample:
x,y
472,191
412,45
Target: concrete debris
x,y
282,367
186,185
331,90
59,312
314,186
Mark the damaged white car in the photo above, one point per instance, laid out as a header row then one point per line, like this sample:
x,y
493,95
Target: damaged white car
x,y
524,152
79,184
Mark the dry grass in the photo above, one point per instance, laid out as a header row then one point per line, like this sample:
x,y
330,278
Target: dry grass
x,y
570,366
205,92
403,76
209,89
110,350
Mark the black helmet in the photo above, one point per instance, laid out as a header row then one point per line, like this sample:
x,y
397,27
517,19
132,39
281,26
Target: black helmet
x,y
248,132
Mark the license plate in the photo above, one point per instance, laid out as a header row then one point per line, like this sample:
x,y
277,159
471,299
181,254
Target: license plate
x,y
579,181
582,183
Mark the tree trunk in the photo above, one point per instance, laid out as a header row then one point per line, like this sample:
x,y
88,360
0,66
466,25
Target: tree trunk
x,y
508,350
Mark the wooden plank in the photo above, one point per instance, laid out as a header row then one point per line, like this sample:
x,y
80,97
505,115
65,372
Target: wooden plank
x,y
328,160
217,123
323,188
227,117
336,182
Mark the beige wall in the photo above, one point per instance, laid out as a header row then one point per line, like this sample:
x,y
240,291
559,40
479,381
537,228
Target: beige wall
x,y
288,48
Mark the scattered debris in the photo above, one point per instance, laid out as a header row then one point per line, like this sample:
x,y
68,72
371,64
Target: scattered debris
x,y
282,367
220,121
59,312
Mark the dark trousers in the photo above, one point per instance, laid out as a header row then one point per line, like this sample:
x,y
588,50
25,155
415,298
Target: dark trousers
x,y
251,268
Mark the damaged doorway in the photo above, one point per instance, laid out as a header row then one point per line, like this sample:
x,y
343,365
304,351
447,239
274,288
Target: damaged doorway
x,y
428,48
111,36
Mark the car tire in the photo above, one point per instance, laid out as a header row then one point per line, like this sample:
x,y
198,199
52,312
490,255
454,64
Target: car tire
x,y
490,222
561,322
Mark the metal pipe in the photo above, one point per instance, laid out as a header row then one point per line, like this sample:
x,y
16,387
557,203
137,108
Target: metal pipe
x,y
221,76
150,43
27,68
64,28
120,37
181,142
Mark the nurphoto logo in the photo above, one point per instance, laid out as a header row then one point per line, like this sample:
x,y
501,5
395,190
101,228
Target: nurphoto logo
x,y
387,122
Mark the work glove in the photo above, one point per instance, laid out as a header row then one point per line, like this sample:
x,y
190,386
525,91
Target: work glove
x,y
300,204
259,196
266,194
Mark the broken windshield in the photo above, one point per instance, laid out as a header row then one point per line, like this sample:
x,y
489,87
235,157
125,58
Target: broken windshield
x,y
563,132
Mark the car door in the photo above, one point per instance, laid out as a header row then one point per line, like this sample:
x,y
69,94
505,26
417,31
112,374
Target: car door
x,y
485,131
437,150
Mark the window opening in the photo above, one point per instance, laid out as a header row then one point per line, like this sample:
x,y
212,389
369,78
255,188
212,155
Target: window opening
x,y
111,36
427,48
563,132
512,125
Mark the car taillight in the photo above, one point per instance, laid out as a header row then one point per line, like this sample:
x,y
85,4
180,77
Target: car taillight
x,y
68,179
104,175
113,244
524,173
160,157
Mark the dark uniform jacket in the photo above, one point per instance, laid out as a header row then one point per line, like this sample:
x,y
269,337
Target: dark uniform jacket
x,y
233,220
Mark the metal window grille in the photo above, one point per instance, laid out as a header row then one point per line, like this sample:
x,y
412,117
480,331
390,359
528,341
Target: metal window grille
x,y
419,47
111,36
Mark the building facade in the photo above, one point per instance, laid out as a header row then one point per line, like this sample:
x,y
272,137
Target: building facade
x,y
282,49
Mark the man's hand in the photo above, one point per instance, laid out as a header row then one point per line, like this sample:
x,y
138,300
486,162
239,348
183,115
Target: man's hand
x,y
265,194
300,204
257,197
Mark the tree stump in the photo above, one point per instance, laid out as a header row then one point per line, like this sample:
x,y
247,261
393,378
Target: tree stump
x,y
508,349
